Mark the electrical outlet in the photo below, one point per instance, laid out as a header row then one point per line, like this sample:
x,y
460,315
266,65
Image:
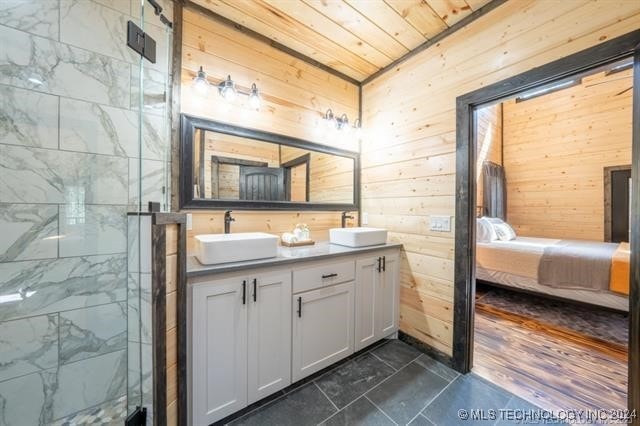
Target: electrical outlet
x,y
365,218
189,221
440,223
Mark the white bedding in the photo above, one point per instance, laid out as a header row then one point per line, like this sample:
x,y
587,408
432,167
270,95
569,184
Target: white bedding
x,y
515,264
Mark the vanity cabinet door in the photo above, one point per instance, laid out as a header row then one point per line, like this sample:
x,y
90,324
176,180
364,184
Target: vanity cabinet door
x,y
219,363
367,283
388,296
269,328
322,328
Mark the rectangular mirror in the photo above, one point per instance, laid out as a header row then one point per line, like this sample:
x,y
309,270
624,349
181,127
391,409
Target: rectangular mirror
x,y
225,166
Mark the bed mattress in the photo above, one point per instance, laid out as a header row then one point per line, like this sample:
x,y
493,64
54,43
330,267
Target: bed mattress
x,y
515,264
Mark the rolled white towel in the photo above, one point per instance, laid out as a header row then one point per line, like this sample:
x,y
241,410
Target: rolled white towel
x,y
288,237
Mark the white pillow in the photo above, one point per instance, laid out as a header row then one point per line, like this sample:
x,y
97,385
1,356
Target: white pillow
x,y
484,231
505,231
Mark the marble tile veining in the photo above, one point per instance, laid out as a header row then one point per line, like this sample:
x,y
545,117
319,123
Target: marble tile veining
x,y
33,16
139,243
33,62
99,129
29,231
92,331
90,382
90,25
33,175
154,90
139,308
92,229
27,400
45,286
153,181
28,345
28,118
140,368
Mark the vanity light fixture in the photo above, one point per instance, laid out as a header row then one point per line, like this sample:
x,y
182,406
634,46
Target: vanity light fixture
x,y
200,83
227,89
342,122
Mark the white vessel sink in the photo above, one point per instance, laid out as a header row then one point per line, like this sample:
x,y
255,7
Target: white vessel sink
x,y
357,237
223,248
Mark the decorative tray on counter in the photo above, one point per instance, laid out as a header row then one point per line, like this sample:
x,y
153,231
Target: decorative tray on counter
x,y
298,243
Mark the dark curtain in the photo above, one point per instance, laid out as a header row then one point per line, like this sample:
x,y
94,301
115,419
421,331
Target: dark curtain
x,y
494,198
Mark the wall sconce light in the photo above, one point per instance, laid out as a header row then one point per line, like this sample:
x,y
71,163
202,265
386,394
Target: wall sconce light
x,y
342,122
200,83
254,97
227,89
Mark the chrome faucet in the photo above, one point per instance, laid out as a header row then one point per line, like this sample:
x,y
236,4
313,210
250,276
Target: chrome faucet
x,y
227,221
344,219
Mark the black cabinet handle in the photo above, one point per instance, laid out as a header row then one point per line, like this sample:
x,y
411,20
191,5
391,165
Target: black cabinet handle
x,y
384,263
329,275
299,307
379,268
244,292
255,289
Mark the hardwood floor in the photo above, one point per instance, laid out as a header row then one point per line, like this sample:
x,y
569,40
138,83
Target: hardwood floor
x,y
551,367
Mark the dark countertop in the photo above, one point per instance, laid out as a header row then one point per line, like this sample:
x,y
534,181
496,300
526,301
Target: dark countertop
x,y
286,255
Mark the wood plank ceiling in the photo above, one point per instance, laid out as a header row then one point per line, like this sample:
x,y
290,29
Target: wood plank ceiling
x,y
355,37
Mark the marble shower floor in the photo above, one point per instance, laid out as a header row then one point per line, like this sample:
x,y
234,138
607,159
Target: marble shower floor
x,y
391,384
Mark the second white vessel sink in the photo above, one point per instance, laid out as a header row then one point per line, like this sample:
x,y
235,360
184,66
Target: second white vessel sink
x,y
357,237
224,248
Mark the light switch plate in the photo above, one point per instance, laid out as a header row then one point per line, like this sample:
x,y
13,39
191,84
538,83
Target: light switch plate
x,y
440,223
365,218
189,221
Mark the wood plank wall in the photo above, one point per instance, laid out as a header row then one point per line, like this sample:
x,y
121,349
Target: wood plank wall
x,y
171,323
555,150
489,144
295,97
409,117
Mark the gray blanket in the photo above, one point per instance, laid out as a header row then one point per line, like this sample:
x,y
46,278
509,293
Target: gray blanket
x,y
577,264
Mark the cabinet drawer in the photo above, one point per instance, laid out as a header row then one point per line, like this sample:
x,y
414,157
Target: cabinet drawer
x,y
324,274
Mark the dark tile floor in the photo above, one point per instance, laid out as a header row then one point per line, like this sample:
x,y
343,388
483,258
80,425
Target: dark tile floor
x,y
392,384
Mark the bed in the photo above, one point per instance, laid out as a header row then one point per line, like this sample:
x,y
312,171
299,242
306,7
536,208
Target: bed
x,y
527,263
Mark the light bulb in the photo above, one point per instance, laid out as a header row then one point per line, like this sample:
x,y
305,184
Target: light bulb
x,y
254,97
200,84
227,89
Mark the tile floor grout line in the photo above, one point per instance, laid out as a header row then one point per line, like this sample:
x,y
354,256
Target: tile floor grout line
x,y
381,410
385,379
342,409
326,396
384,362
432,400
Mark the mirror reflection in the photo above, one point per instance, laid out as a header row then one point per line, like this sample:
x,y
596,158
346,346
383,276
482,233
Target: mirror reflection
x,y
228,167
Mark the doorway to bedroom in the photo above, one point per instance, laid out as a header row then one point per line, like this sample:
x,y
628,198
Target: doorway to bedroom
x,y
546,224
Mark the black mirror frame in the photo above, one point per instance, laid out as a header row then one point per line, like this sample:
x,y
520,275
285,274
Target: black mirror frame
x,y
188,125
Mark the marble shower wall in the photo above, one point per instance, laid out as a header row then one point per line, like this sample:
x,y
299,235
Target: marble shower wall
x,y
69,164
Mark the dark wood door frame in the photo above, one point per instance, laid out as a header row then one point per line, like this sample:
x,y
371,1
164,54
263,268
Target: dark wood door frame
x,y
464,280
303,159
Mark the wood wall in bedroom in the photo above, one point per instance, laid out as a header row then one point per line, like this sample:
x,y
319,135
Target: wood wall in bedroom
x,y
409,116
295,96
555,150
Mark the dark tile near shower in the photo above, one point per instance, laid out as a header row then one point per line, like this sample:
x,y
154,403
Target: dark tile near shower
x,y
302,407
396,353
407,392
351,380
466,393
361,412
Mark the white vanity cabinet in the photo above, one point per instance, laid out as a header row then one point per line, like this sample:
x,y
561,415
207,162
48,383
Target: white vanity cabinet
x,y
377,297
255,331
241,342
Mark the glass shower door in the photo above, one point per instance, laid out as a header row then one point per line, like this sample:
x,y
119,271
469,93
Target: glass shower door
x,y
83,143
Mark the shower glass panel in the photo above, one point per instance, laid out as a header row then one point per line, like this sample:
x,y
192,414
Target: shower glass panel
x,y
83,148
